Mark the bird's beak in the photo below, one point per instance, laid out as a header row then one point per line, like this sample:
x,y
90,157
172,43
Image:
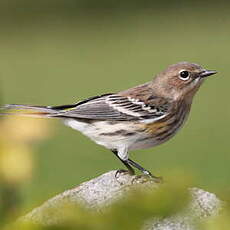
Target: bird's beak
x,y
207,73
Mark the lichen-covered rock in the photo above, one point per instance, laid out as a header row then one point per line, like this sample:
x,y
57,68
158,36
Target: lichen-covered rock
x,y
110,187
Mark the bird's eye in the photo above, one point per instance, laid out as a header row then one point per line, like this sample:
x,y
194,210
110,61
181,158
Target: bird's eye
x,y
184,75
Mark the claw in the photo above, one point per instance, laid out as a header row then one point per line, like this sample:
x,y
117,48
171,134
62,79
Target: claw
x,y
155,178
122,171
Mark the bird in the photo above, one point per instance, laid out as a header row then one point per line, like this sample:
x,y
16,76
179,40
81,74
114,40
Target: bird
x,y
138,118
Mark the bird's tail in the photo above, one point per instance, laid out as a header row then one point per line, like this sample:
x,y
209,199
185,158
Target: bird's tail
x,y
27,110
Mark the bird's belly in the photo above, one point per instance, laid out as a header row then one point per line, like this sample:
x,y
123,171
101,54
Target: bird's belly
x,y
147,141
129,135
144,143
112,135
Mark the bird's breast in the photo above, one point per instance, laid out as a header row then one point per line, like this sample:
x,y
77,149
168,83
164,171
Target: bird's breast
x,y
166,128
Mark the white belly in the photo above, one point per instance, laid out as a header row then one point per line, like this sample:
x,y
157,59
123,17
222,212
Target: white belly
x,y
111,135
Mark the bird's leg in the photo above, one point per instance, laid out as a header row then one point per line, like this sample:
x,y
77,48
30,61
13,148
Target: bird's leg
x,y
143,170
129,163
125,162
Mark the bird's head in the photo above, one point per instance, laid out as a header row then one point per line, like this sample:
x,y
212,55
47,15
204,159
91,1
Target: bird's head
x,y
181,80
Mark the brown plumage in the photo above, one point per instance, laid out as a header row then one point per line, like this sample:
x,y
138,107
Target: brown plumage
x,y
137,118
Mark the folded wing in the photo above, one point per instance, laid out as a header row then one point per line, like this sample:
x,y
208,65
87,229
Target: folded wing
x,y
114,107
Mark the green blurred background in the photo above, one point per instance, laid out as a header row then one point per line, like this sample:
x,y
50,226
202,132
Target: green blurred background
x,y
59,52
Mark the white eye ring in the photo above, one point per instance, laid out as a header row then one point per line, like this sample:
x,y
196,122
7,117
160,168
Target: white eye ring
x,y
184,75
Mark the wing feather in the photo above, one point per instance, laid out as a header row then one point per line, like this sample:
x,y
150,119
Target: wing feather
x,y
115,107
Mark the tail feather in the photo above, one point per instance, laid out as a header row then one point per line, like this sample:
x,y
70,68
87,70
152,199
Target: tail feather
x,y
27,110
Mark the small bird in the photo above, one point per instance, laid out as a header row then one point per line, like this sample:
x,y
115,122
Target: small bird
x,y
138,118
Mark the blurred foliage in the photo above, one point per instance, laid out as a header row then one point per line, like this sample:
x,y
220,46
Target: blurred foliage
x,y
18,135
16,163
62,51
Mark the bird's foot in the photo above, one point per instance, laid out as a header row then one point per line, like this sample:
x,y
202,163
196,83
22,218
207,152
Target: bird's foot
x,y
158,179
122,171
149,175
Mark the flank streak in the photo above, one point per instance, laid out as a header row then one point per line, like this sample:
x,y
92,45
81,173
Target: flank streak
x,y
121,132
173,127
168,126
